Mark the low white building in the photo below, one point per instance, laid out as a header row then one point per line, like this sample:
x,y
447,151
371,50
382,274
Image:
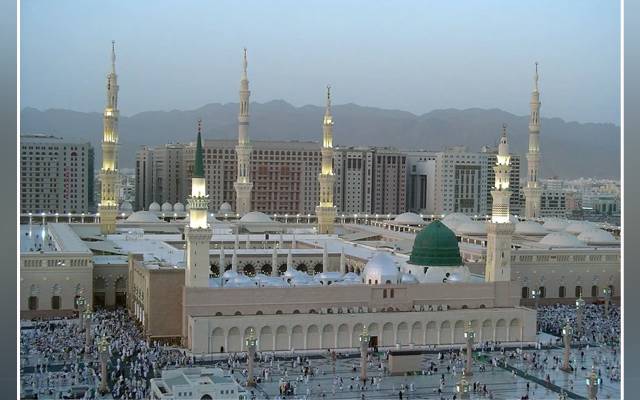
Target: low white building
x,y
196,384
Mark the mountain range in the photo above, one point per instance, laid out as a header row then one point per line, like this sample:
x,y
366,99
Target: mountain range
x,y
568,149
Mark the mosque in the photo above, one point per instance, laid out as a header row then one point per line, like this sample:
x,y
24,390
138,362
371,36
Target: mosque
x,y
205,279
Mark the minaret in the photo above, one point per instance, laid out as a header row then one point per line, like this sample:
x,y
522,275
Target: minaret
x,y
533,191
198,232
500,228
108,206
243,185
326,211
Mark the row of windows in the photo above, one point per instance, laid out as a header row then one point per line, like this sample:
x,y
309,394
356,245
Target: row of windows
x,y
562,291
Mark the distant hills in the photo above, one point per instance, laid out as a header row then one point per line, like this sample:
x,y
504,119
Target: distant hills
x,y
569,149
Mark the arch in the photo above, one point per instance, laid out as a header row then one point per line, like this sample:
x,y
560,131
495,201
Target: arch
x,y
355,335
501,330
402,335
594,291
55,302
206,397
431,333
445,333
578,291
313,337
525,292
233,339
217,340
296,311
317,268
279,312
562,291
259,312
302,267
246,335
266,338
328,337
237,313
249,270
343,336
416,333
121,292
282,268
515,333
282,338
388,338
297,337
312,311
266,269
374,330
458,332
228,267
486,333
99,291
218,314
215,271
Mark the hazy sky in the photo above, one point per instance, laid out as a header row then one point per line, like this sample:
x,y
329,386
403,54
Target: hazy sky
x,y
409,55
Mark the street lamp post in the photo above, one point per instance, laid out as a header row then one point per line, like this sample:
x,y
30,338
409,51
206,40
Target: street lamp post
x,y
535,294
88,315
250,343
103,349
567,332
469,335
607,298
593,381
80,302
579,310
462,387
364,346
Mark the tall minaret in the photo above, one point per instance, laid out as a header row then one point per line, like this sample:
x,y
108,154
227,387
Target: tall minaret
x,y
500,229
243,185
198,232
533,191
108,206
326,211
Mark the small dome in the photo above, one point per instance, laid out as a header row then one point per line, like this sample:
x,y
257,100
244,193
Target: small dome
x,y
472,228
178,207
126,206
408,218
381,269
351,276
555,224
597,236
327,277
225,208
166,207
453,220
561,239
436,245
241,281
577,227
229,274
154,206
143,216
255,217
408,279
530,228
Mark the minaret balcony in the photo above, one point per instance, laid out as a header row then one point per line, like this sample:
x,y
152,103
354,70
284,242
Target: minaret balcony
x,y
198,203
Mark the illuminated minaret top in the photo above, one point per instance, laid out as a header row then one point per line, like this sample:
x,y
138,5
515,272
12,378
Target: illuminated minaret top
x,y
243,184
325,211
109,201
533,190
198,232
500,229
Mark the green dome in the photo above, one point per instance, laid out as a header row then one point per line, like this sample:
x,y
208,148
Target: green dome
x,y
436,245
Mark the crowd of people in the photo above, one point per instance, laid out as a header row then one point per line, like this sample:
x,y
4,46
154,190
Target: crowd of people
x,y
598,327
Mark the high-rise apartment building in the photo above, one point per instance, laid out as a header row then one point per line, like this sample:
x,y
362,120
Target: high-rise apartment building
x,y
370,180
460,182
55,176
421,174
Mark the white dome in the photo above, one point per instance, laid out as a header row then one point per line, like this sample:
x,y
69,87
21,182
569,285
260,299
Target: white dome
x,y
255,217
598,236
381,268
126,206
241,281
179,207
472,228
229,274
225,208
143,216
453,220
351,276
561,239
555,224
408,279
328,277
154,206
577,227
530,228
408,218
166,206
